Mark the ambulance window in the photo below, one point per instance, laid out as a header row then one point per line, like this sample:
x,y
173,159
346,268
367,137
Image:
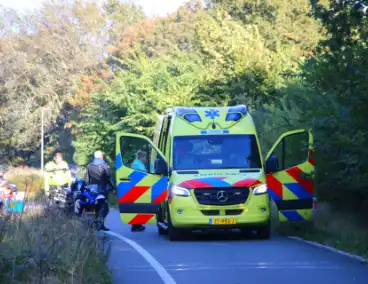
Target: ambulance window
x,y
161,139
136,154
216,152
165,135
296,149
292,150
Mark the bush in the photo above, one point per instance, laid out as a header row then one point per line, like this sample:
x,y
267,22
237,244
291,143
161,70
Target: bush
x,y
333,228
47,248
341,154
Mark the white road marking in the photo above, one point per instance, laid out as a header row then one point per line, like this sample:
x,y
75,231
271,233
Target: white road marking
x,y
243,266
357,257
161,271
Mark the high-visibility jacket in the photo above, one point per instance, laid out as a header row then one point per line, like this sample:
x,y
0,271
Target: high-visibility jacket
x,y
57,174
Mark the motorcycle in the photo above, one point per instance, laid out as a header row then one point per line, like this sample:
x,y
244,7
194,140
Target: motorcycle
x,y
61,196
66,196
90,202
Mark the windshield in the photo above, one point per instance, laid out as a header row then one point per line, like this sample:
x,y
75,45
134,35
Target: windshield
x,y
215,152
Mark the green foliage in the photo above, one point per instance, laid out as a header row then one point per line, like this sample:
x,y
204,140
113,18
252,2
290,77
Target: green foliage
x,y
331,100
43,56
229,52
199,57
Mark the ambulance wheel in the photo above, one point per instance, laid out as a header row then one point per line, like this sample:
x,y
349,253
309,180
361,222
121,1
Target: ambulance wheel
x,y
173,233
161,231
264,232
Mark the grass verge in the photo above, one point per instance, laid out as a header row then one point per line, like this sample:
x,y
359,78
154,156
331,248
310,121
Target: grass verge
x,y
48,248
340,230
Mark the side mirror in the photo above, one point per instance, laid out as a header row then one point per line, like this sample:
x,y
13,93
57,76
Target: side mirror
x,y
272,165
161,167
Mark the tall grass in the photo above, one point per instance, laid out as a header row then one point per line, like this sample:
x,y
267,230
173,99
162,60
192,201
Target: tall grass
x,y
338,229
49,248
44,246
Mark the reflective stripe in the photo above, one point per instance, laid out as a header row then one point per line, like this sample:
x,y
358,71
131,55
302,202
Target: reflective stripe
x,y
294,204
138,208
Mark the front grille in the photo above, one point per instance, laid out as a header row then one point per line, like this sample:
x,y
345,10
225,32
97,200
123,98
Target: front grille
x,y
221,196
210,212
234,212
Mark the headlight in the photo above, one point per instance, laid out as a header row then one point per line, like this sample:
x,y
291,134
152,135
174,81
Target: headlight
x,y
262,189
179,191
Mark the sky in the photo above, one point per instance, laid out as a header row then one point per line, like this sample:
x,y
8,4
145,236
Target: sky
x,y
151,7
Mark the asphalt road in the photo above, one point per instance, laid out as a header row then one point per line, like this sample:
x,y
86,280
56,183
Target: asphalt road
x,y
227,259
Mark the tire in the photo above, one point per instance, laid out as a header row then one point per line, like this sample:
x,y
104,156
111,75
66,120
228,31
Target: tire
x,y
77,207
174,233
159,218
246,233
161,231
264,232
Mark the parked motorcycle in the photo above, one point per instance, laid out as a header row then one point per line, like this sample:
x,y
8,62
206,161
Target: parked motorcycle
x,y
61,196
90,202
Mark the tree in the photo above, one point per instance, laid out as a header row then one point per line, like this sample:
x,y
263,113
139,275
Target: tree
x,y
43,57
197,56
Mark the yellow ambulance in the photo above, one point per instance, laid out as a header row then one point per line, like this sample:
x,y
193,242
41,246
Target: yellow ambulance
x,y
204,170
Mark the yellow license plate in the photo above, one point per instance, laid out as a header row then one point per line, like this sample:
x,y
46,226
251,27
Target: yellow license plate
x,y
222,221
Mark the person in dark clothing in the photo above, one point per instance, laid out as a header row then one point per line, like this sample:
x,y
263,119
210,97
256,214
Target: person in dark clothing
x,y
99,172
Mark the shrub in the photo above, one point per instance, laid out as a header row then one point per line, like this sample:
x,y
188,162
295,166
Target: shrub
x,y
45,248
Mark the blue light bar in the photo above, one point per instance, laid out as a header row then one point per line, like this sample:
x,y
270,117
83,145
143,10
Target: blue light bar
x,y
192,117
233,117
241,109
184,110
214,132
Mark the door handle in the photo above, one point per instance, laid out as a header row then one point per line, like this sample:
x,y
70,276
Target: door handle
x,y
125,179
307,175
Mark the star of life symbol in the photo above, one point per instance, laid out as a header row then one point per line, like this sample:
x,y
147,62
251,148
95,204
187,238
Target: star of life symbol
x,y
212,113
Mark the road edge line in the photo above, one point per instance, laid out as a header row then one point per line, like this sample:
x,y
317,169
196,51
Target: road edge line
x,y
160,270
335,250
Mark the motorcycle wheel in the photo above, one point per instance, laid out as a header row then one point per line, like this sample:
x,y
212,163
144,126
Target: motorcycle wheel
x,y
77,207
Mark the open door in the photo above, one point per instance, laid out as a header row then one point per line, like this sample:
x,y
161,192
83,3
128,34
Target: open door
x,y
290,169
141,183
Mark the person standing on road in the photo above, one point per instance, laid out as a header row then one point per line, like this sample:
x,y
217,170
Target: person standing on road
x,y
99,172
139,164
57,173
